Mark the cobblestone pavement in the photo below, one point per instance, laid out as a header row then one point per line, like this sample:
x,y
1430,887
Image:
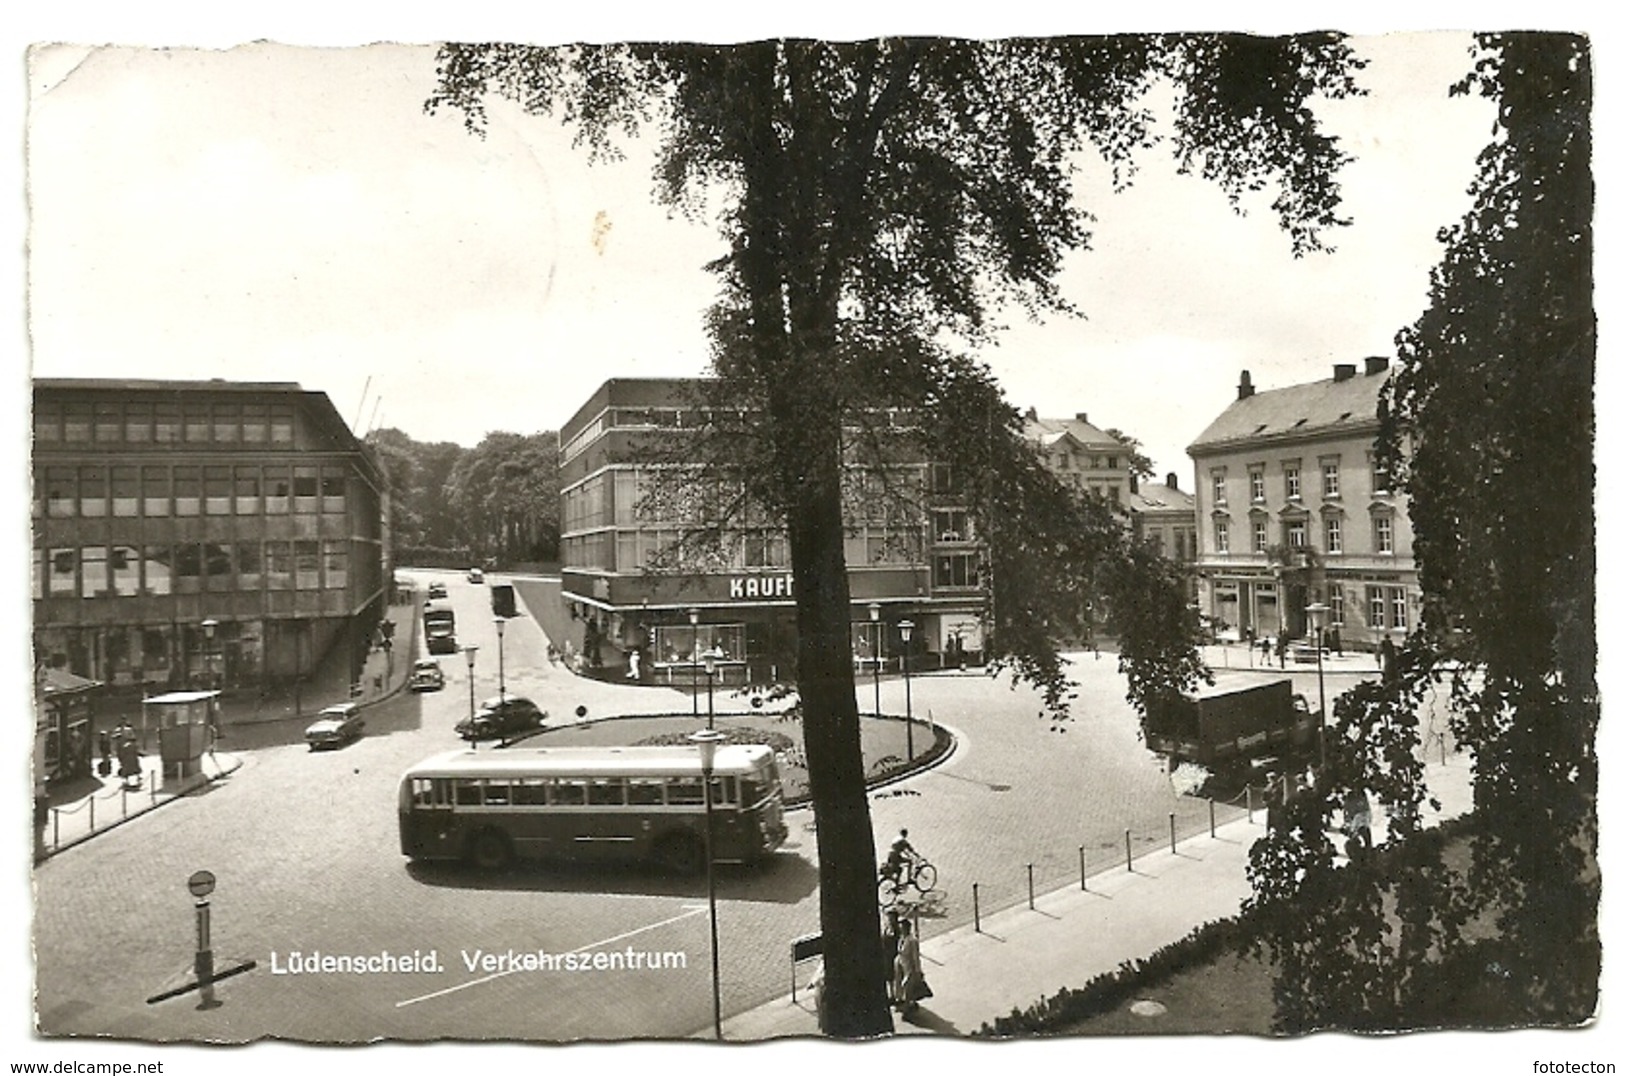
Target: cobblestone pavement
x,y
306,850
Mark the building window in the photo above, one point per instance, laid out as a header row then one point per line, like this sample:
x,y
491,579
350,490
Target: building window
x,y
217,567
155,491
188,568
248,565
1218,487
47,423
955,570
1255,482
1294,481
61,492
1221,536
157,570
279,565
281,425
1329,481
93,571
166,423
1335,593
304,490
195,422
64,572
1376,615
951,525
246,490
307,565
1384,533
278,490
137,423
93,492
76,423
1261,536
217,491
1397,608
944,479
188,490
255,428
109,424
126,492
227,421
332,489
1297,534
1379,477
1334,534
765,550
336,554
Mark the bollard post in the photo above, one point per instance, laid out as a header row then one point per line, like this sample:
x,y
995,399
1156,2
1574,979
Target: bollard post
x,y
93,814
1173,841
1083,871
1029,886
1212,830
1249,803
56,827
1128,848
976,905
124,801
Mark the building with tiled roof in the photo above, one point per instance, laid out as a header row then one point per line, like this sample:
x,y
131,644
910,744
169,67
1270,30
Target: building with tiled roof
x,y
1291,509
1165,516
1084,456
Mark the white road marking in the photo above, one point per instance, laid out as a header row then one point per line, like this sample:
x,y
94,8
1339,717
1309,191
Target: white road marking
x,y
689,910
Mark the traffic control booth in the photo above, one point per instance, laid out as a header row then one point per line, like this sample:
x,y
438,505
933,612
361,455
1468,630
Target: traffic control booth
x,y
186,723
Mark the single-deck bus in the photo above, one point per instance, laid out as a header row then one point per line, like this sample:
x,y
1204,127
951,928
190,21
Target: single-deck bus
x,y
592,803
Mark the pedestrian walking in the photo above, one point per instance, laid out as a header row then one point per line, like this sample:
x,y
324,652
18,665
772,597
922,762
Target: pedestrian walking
x,y
909,987
633,663
888,946
1280,649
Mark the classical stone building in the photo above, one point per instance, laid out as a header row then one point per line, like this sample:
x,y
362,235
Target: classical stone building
x,y
1292,508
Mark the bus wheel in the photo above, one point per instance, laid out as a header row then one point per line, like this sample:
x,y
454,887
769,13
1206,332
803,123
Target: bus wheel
x,y
489,850
680,852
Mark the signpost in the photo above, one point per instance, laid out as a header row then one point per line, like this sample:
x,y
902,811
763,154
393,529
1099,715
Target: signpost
x,y
200,885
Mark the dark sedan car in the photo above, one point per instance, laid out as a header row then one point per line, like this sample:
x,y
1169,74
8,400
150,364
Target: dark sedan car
x,y
504,718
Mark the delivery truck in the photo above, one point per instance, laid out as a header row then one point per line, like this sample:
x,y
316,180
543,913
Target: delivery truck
x,y
1231,723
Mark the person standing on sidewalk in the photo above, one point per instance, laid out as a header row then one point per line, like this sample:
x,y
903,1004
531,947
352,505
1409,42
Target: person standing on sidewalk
x,y
909,987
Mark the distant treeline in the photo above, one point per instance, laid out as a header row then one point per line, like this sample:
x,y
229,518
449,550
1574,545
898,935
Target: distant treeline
x,y
452,506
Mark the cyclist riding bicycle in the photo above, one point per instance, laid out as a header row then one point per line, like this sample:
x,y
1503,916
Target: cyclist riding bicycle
x,y
901,856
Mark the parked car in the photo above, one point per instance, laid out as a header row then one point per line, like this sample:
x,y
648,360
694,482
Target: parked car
x,y
502,718
476,575
426,676
335,726
437,590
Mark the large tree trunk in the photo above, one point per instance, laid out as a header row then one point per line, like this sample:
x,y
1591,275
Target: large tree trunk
x,y
854,967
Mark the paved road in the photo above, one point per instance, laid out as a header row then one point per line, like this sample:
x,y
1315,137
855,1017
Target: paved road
x,y
306,851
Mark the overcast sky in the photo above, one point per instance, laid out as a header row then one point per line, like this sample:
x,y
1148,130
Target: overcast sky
x,y
281,213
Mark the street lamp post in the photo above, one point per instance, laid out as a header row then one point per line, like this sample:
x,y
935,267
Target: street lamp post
x,y
468,652
1317,623
711,655
502,685
706,740
694,655
874,649
209,626
905,628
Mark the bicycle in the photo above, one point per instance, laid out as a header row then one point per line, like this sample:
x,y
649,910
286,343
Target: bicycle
x,y
916,872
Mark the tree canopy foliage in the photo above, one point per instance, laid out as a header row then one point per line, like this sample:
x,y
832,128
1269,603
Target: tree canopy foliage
x,y
884,203
498,500
1490,421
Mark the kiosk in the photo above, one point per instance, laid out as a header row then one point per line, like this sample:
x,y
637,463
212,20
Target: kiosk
x,y
187,723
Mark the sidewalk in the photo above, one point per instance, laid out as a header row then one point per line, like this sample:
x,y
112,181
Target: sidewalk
x,y
1071,935
91,806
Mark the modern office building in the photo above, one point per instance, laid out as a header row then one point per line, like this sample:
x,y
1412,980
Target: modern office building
x,y
739,603
1293,508
201,533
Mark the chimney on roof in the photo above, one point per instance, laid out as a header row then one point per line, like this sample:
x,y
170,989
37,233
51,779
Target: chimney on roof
x,y
1083,416
1245,389
1173,482
1032,414
1342,371
1375,364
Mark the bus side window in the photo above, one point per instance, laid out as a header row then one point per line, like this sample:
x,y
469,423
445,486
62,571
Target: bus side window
x,y
496,793
605,792
468,792
567,793
722,791
530,792
685,790
645,791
